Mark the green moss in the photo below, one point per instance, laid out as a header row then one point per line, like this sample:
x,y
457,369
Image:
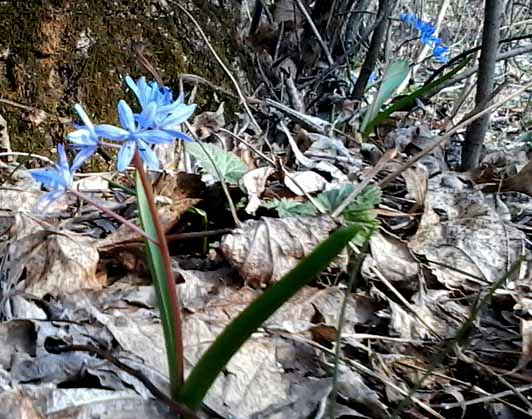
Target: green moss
x,y
42,64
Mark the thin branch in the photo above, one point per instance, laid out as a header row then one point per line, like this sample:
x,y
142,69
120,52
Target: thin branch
x,y
222,64
113,214
317,34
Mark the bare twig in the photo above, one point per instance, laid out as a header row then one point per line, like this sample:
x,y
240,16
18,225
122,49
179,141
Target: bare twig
x,y
112,214
317,34
222,64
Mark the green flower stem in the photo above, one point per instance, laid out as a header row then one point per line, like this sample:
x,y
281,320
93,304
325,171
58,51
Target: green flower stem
x,y
176,371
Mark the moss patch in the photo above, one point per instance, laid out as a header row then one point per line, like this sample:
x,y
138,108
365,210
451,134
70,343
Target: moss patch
x,y
54,54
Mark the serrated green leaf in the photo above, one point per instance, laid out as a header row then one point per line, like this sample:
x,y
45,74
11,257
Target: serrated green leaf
x,y
231,168
360,210
367,199
288,208
394,75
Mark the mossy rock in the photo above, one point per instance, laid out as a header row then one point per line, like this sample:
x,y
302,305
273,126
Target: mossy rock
x,y
54,54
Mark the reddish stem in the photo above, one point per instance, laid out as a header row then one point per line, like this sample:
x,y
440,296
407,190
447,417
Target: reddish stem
x,y
163,246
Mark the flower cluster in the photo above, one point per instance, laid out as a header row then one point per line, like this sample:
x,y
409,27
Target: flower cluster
x,y
157,123
427,31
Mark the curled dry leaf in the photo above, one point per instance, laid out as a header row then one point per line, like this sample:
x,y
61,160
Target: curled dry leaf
x,y
207,123
306,182
266,249
254,182
126,247
438,311
416,181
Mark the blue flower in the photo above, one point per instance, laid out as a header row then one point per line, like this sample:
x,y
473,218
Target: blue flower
x,y
409,18
168,114
440,51
427,31
135,135
56,180
85,139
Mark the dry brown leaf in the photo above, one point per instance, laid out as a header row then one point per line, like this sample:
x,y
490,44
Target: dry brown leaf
x,y
460,230
266,249
207,123
16,404
125,247
416,181
393,259
44,261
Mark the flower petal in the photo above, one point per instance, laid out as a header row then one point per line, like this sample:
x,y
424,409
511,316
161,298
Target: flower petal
x,y
133,86
111,132
84,154
84,117
148,156
49,178
155,136
62,158
82,137
125,155
177,117
125,114
179,135
146,119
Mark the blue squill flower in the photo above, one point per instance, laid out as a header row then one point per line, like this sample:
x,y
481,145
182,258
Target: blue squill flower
x,y
85,138
373,77
134,135
56,180
169,114
427,31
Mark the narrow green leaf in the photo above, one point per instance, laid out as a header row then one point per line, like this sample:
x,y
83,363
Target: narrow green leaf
x,y
240,329
410,99
125,189
393,76
526,137
156,265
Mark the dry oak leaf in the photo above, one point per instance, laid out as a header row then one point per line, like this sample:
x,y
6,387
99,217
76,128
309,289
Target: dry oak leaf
x,y
264,250
50,261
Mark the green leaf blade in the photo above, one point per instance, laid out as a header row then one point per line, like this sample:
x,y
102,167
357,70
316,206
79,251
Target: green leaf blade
x,y
392,78
240,329
410,99
158,273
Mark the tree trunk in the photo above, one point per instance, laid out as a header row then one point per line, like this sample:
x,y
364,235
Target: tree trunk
x,y
385,7
486,74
